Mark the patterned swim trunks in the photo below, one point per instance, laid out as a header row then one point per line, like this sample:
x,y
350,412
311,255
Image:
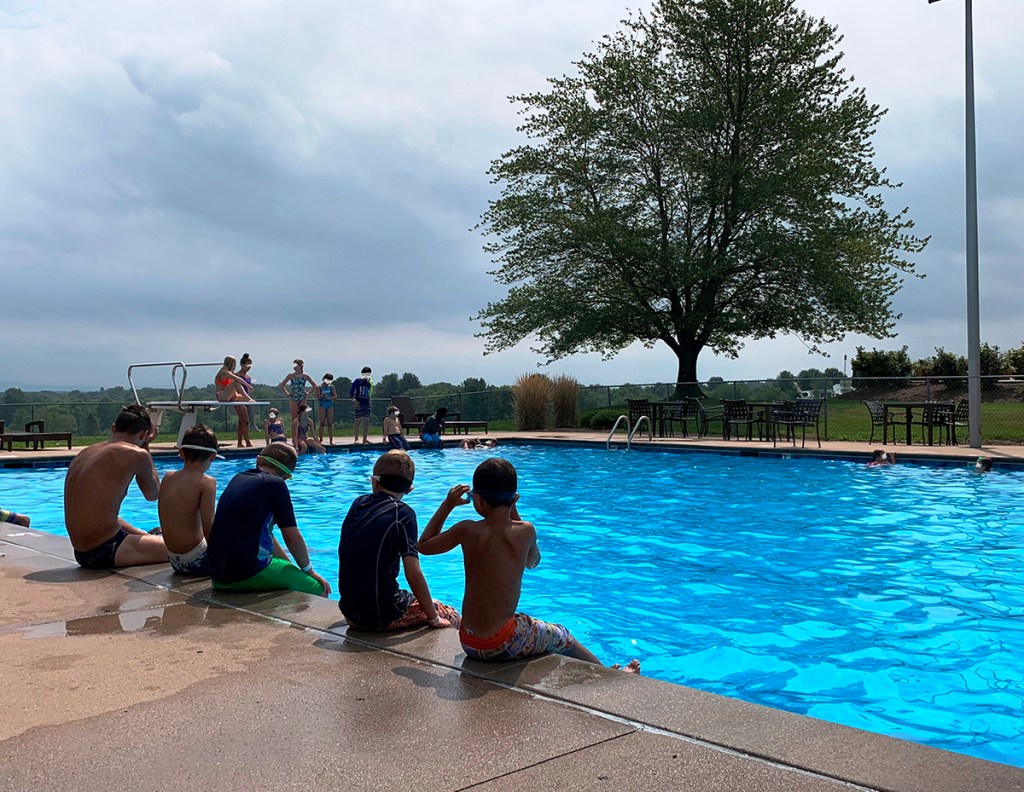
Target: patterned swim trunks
x,y
522,636
194,562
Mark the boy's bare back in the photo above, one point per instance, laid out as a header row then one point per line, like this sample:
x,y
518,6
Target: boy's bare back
x,y
495,553
186,506
96,483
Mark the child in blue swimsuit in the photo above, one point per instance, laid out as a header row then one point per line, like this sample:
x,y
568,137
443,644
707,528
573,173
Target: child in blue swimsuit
x,y
327,395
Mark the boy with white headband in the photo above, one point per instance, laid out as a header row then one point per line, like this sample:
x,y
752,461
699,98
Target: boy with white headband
x,y
186,503
243,552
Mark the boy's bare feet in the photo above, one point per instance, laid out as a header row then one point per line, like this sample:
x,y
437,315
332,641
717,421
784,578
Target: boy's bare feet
x,y
632,667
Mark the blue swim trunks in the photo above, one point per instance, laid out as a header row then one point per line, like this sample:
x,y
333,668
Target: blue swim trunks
x,y
431,440
362,410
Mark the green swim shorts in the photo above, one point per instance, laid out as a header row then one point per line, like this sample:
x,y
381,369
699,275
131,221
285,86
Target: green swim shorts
x,y
276,576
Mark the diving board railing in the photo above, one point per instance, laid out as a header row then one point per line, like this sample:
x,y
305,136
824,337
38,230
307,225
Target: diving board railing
x,y
189,409
629,432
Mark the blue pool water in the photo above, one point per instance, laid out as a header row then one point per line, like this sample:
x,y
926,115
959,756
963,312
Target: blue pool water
x,y
887,599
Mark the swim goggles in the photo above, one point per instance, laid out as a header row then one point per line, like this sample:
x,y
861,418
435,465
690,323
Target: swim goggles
x,y
191,447
287,474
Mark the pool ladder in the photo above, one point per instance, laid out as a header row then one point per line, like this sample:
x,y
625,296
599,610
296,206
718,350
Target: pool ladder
x,y
630,432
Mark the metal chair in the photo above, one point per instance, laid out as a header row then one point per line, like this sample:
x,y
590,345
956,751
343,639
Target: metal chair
x,y
639,408
737,413
932,417
951,420
806,413
688,410
879,418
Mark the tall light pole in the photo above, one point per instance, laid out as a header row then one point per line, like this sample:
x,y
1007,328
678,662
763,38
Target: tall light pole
x,y
973,320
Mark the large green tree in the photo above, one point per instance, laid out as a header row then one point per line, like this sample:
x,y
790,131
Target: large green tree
x,y
705,177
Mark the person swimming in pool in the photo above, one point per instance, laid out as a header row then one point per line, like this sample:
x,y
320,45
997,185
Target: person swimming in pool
x,y
496,551
880,458
97,481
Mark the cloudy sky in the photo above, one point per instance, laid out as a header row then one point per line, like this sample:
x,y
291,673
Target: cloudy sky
x,y
187,180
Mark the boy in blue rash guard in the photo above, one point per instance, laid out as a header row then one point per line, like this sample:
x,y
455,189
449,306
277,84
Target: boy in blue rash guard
x,y
378,532
242,551
430,432
360,393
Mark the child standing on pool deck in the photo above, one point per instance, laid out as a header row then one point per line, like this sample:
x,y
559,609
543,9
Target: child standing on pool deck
x,y
244,556
378,532
360,393
496,551
186,503
326,394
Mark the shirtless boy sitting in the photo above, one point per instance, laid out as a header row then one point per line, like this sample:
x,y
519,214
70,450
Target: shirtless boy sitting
x,y
187,500
495,551
96,483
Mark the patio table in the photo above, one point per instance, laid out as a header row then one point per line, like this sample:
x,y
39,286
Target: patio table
x,y
930,409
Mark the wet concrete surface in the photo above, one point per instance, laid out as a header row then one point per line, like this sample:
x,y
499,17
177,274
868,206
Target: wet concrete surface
x,y
145,680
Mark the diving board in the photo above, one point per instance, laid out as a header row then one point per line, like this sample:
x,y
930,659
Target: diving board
x,y
189,409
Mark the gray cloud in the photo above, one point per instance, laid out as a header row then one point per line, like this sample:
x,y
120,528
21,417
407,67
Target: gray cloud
x,y
190,178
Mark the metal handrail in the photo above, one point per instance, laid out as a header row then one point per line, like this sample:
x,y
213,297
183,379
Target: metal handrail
x,y
611,434
650,428
175,365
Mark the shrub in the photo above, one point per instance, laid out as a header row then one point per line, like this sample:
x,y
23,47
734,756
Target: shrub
x,y
879,363
530,395
1013,360
602,417
565,396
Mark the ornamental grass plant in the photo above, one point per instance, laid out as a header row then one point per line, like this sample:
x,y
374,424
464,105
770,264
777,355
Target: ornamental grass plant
x,y
565,396
530,396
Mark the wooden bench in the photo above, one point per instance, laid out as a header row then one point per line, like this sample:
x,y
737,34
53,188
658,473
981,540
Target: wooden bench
x,y
464,427
35,433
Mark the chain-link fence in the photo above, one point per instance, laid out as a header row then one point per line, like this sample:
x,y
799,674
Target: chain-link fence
x,y
844,415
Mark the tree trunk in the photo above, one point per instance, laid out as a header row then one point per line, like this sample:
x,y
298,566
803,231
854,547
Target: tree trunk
x,y
686,376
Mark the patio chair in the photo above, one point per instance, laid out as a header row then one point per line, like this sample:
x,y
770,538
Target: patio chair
x,y
806,413
784,410
687,410
705,415
951,420
407,413
736,412
638,408
931,418
879,418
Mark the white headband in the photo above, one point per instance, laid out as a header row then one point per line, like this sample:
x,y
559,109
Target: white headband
x,y
202,448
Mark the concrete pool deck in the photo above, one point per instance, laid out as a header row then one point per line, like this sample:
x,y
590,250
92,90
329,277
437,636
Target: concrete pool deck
x,y
142,679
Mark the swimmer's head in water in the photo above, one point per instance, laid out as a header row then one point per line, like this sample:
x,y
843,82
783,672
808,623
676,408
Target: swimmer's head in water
x,y
984,464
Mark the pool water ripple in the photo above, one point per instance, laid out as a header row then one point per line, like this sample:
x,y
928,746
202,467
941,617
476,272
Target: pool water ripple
x,y
887,599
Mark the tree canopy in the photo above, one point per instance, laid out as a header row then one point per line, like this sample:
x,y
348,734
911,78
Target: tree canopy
x,y
705,177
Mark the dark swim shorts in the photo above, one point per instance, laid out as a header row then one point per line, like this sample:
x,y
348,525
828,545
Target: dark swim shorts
x,y
101,556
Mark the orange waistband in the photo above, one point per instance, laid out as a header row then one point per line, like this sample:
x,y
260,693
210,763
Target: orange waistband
x,y
482,643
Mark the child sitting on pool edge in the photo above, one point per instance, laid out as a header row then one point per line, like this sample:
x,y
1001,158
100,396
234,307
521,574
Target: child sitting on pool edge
x,y
496,551
378,532
244,556
186,502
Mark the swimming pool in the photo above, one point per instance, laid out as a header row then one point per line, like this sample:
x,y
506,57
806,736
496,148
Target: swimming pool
x,y
887,599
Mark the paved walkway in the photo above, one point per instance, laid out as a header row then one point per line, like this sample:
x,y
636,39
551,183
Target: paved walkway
x,y
142,679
